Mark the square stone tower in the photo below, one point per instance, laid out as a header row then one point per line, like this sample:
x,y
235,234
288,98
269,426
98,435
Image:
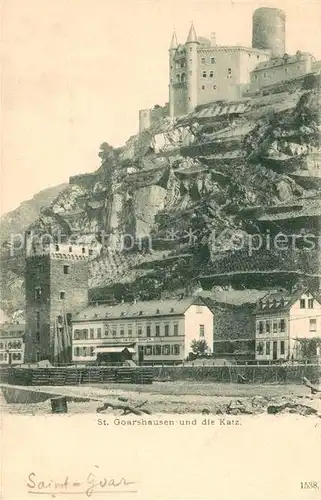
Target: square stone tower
x,y
56,284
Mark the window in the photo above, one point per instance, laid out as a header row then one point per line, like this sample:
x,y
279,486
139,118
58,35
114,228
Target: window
x,y
148,350
229,71
92,351
260,348
122,330
139,330
257,57
261,327
313,325
37,293
265,73
310,303
267,327
148,331
1,345
282,325
98,333
84,351
157,350
183,77
203,87
204,74
57,248
214,87
190,49
1,357
302,303
106,332
77,351
211,74
68,317
66,269
130,330
175,329
178,78
114,331
275,327
83,250
202,330
90,251
91,333
203,60
166,350
62,295
268,348
285,70
176,349
70,249
85,334
166,330
157,330
77,334
212,60
282,350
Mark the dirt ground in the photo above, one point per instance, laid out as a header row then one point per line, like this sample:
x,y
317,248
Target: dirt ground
x,y
181,398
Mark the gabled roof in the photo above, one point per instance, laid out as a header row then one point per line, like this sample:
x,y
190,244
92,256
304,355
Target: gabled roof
x,y
142,309
280,301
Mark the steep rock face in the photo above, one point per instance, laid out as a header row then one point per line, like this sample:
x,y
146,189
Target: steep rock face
x,y
182,183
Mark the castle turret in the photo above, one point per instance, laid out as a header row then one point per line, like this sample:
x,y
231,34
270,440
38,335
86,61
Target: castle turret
x,y
269,30
192,63
172,49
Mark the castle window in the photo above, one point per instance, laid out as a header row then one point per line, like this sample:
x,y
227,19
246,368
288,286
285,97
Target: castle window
x,y
204,74
62,295
257,57
229,73
130,330
183,77
114,331
98,333
211,74
57,248
255,77
83,250
70,249
157,330
66,269
77,351
182,64
122,331
214,87
203,87
90,251
190,49
166,330
91,333
212,60
148,331
175,329
203,60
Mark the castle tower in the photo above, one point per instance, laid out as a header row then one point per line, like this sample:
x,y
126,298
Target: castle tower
x,y
172,49
56,282
269,30
192,67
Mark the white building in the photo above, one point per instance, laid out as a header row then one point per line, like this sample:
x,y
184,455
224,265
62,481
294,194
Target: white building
x,y
282,321
153,331
12,344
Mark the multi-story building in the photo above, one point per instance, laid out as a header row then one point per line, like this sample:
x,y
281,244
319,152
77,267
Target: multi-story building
x,y
282,321
154,331
56,282
12,344
200,71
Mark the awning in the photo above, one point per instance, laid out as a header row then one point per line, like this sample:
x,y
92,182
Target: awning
x,y
113,349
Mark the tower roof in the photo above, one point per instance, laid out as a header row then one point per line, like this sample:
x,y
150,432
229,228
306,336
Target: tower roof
x,y
174,42
191,35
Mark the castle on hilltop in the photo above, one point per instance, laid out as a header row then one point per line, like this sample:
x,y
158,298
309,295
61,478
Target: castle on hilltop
x,y
202,71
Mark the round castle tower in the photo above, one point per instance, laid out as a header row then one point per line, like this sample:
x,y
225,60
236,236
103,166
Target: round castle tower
x,y
269,30
171,50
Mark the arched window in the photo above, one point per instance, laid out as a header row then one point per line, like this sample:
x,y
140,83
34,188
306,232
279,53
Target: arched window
x,y
183,77
178,78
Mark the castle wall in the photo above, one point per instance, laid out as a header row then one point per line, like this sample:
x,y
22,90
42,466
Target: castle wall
x,y
223,71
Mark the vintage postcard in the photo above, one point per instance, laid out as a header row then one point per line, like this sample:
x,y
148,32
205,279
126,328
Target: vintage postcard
x,y
160,330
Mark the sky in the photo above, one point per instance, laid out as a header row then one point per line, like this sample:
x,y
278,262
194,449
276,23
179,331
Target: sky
x,y
76,72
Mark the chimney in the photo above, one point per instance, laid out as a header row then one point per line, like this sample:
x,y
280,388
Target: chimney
x,y
213,39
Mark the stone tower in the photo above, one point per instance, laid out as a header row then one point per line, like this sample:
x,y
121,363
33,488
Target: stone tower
x,y
56,283
172,49
192,67
269,30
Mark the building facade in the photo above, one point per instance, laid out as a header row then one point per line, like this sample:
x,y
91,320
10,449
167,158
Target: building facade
x,y
12,344
201,71
282,321
56,282
156,331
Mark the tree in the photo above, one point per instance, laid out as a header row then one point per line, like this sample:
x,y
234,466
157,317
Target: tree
x,y
199,347
106,152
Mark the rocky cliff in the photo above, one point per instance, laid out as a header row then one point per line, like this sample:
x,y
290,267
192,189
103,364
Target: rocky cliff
x,y
155,207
